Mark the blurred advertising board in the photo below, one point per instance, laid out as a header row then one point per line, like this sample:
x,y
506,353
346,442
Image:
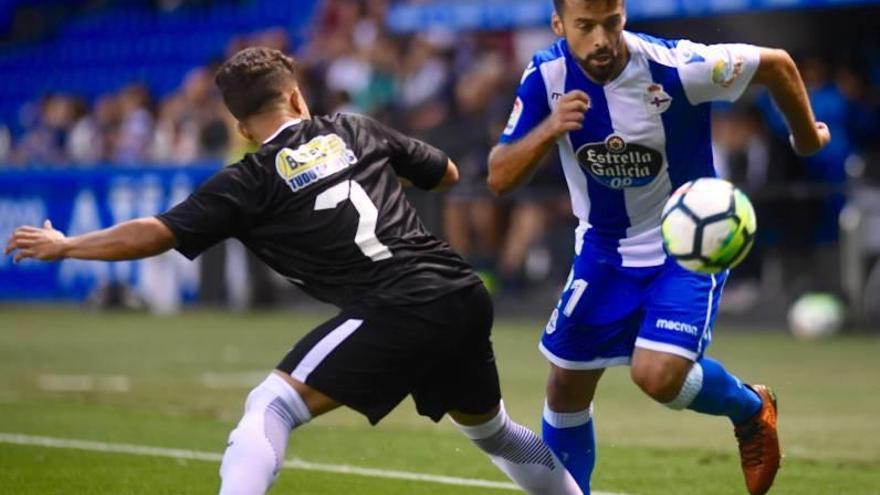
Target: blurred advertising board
x,y
83,200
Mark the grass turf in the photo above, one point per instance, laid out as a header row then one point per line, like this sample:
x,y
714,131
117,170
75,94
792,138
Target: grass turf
x,y
187,377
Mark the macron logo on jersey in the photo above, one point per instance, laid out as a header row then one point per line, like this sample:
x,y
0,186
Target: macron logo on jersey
x,y
677,326
691,56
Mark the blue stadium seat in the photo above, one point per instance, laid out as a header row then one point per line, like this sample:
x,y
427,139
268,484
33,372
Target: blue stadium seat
x,y
101,51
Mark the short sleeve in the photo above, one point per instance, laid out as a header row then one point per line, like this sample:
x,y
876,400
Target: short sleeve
x,y
422,164
530,107
716,72
217,210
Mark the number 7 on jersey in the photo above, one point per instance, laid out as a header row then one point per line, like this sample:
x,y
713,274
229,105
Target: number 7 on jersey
x,y
368,214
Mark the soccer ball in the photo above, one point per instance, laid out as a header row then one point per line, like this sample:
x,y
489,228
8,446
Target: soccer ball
x,y
815,316
708,225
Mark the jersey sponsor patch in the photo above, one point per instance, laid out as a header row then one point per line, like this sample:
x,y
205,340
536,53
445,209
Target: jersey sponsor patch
x,y
725,72
515,115
657,100
617,164
321,157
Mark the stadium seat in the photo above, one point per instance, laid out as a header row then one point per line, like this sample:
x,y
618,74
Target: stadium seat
x,y
100,51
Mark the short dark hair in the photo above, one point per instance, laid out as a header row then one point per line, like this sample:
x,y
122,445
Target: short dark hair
x,y
253,79
558,4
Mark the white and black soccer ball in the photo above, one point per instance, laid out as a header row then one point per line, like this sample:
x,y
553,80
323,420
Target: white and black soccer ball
x,y
816,316
708,225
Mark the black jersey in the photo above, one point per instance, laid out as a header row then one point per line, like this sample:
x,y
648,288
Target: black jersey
x,y
321,204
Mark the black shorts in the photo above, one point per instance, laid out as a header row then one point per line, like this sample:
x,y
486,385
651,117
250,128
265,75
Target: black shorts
x,y
371,358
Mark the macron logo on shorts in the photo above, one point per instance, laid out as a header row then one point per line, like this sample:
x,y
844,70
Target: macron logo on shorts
x,y
677,326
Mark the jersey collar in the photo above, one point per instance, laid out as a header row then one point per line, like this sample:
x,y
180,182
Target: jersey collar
x,y
289,123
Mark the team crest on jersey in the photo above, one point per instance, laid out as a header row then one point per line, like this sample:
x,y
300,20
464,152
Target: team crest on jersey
x,y
657,100
617,164
321,157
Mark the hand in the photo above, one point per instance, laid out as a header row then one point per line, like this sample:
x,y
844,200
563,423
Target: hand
x,y
815,143
46,244
569,113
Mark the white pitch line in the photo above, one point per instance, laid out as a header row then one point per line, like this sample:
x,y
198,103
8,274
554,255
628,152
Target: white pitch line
x,y
84,383
143,450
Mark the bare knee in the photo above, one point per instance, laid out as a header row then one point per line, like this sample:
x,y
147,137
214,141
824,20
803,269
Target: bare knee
x,y
659,375
469,419
571,390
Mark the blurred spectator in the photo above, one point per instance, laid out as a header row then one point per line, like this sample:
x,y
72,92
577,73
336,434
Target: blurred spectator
x,y
190,124
84,144
349,72
424,73
826,171
379,94
108,116
741,153
46,140
863,114
740,148
534,209
135,127
470,213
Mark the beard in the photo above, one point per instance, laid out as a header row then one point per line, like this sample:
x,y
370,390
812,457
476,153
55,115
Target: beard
x,y
602,65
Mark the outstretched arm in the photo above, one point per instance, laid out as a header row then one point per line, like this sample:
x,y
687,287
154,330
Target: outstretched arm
x,y
140,238
778,72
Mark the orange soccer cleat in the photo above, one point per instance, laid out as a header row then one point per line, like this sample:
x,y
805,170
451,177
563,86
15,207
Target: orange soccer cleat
x,y
759,444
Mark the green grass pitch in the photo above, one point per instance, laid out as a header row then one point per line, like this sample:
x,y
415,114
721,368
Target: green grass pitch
x,y
180,383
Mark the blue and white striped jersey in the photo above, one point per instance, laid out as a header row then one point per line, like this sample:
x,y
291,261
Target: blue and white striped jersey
x,y
646,133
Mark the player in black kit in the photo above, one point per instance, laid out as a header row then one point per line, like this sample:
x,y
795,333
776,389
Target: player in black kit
x,y
321,203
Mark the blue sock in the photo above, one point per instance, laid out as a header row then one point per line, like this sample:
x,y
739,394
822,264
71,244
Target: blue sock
x,y
571,437
710,389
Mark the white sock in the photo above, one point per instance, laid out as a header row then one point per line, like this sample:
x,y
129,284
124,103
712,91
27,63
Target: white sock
x,y
257,445
691,387
522,455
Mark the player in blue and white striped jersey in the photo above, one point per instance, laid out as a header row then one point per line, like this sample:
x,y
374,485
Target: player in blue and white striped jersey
x,y
630,115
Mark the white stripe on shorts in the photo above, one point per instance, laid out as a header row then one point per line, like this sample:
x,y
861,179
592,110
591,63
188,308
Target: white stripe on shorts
x,y
653,345
595,364
708,315
323,348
